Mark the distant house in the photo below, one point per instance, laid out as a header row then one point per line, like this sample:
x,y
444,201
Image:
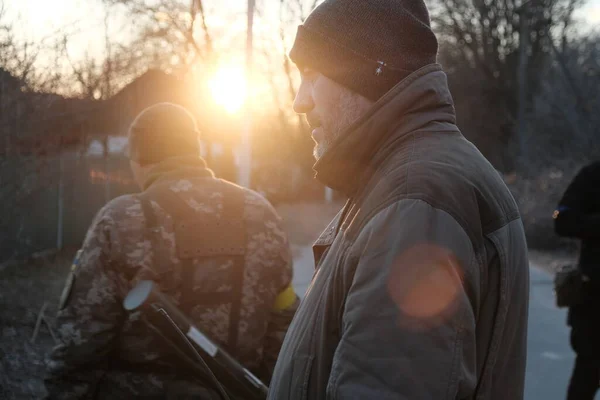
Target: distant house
x,y
34,123
13,108
8,84
111,122
86,126
150,88
117,113
117,145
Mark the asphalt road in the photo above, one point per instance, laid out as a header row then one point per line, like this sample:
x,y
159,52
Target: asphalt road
x,y
549,357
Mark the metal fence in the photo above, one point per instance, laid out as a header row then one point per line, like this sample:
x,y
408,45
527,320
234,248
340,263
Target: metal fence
x,y
52,207
50,203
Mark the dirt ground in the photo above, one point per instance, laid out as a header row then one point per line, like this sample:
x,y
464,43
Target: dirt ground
x,y
25,287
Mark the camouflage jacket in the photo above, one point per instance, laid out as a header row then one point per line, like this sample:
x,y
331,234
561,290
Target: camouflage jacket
x,y
107,353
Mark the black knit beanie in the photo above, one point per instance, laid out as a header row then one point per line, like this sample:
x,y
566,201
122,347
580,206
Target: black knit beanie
x,y
162,131
367,46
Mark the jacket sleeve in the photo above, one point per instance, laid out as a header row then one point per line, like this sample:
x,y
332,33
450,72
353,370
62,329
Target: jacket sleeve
x,y
573,218
285,306
278,326
408,325
89,320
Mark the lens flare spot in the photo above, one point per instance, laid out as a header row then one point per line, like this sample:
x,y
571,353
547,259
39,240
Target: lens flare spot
x,y
425,284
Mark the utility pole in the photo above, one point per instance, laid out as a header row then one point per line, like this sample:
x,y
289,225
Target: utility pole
x,y
106,143
524,15
61,202
61,198
328,195
245,165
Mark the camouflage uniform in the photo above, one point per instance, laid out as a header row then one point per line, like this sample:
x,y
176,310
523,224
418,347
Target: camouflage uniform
x,y
106,353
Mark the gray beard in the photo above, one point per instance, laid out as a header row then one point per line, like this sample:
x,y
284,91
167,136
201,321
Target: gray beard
x,y
347,115
320,149
349,111
323,147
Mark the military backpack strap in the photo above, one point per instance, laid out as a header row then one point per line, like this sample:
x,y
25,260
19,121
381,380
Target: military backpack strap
x,y
219,236
179,211
161,265
233,210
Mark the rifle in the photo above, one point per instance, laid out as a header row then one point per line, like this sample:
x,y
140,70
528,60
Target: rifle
x,y
181,335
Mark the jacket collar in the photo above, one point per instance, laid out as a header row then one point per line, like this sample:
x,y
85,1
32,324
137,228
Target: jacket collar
x,y
420,101
176,168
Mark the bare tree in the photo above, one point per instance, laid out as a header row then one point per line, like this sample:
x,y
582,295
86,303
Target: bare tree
x,y
173,35
291,14
564,110
28,130
496,53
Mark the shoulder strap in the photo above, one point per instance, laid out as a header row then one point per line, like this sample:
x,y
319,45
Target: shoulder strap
x,y
234,210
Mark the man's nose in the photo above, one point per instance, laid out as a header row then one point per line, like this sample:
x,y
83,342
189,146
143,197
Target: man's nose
x,y
303,103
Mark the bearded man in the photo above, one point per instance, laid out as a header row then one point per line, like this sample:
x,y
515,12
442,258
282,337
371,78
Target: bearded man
x,y
421,282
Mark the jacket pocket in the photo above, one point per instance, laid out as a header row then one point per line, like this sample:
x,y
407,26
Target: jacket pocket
x,y
300,373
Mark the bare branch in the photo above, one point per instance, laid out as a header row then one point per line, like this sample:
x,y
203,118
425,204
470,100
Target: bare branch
x,y
207,37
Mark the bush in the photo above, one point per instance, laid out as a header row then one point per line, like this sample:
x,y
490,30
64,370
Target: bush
x,y
537,198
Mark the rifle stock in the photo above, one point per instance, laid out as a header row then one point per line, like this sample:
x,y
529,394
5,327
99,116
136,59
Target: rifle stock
x,y
234,378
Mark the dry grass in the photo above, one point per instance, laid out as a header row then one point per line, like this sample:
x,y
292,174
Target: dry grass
x,y
537,197
552,261
24,288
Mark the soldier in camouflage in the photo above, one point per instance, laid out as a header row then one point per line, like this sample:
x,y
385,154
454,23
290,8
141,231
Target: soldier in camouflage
x,y
217,249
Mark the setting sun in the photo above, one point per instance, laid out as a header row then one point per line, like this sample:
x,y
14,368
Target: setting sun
x,y
228,88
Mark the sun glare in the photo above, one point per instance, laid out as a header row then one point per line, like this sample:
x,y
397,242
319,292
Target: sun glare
x,y
228,88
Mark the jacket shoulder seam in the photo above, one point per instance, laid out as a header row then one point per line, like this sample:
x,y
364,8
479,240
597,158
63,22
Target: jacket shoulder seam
x,y
424,198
